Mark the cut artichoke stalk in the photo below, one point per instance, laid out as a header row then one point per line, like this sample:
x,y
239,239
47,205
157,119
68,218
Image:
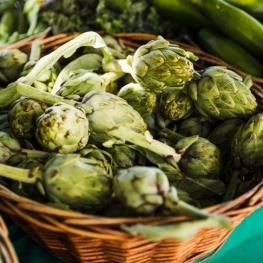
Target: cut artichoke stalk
x,y
109,128
68,179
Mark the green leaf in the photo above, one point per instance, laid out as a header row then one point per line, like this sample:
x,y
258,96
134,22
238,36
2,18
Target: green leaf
x,y
181,231
198,187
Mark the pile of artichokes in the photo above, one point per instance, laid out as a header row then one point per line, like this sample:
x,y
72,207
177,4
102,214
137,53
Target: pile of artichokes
x,y
116,135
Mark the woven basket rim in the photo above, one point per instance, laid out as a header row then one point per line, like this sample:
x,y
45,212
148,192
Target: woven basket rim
x,y
251,200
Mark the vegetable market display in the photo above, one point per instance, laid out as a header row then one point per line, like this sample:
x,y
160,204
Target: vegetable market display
x,y
111,145
140,145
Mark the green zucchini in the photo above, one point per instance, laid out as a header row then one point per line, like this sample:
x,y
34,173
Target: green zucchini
x,y
235,23
182,11
253,7
217,44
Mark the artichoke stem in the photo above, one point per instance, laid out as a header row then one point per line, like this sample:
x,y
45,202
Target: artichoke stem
x,y
19,174
36,153
35,50
151,144
233,184
8,95
179,207
171,135
47,97
117,65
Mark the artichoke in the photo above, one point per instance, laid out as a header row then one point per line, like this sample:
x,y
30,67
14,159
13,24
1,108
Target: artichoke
x,y
156,121
176,104
201,159
146,190
23,114
12,62
194,125
246,152
159,65
102,158
80,82
141,99
67,179
62,128
247,143
223,135
9,146
124,156
222,93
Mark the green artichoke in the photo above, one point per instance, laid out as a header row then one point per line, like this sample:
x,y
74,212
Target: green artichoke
x,y
9,146
124,156
141,99
201,159
247,143
176,104
159,65
223,135
102,158
146,190
112,111
156,121
222,93
22,116
67,179
80,82
246,152
62,128
193,125
12,62
70,180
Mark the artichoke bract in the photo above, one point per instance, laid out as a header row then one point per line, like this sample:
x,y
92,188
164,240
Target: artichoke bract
x,y
23,114
9,146
176,104
196,125
159,65
62,128
222,93
12,62
141,99
80,82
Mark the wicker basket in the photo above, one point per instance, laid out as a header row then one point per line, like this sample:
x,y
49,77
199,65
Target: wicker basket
x,y
7,252
79,238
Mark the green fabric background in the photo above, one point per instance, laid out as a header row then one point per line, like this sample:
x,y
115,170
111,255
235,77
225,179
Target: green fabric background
x,y
243,245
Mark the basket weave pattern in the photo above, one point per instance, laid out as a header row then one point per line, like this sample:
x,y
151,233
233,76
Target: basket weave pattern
x,y
7,252
78,238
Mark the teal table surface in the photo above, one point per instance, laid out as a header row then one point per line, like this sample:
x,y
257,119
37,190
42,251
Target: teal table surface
x,y
243,245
